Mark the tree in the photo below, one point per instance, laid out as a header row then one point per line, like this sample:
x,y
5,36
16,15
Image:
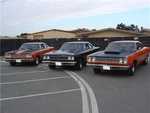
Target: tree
x,y
24,35
131,27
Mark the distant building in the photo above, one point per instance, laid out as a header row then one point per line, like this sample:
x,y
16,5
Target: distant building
x,y
109,33
146,32
85,33
54,33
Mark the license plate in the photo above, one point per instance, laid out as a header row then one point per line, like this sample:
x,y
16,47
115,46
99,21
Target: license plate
x,y
58,63
105,67
18,60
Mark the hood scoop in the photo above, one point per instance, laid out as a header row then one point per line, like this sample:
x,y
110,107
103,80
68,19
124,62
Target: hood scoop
x,y
112,52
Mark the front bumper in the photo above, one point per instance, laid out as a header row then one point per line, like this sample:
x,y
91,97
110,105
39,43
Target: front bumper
x,y
18,60
62,63
110,66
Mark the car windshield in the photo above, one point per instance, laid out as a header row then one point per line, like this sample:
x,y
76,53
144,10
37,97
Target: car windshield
x,y
29,47
121,47
72,47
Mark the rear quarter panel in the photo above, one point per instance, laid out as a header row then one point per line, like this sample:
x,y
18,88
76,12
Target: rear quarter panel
x,y
138,55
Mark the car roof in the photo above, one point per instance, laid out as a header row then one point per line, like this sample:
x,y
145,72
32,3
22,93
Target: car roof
x,y
34,43
126,41
78,42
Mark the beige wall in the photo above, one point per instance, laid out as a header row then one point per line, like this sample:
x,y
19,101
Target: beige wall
x,y
110,34
53,34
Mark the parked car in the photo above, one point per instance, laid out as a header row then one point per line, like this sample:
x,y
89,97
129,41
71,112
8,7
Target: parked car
x,y
70,54
120,55
28,52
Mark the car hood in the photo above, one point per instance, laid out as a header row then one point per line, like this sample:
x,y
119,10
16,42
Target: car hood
x,y
59,52
20,52
111,54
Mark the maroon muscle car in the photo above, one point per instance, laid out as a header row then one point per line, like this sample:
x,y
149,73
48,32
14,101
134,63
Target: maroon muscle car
x,y
30,52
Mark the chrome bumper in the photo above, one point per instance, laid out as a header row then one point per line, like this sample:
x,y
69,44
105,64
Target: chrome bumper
x,y
111,67
64,63
115,66
22,60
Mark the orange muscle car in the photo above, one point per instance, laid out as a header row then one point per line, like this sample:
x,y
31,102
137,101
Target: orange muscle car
x,y
120,55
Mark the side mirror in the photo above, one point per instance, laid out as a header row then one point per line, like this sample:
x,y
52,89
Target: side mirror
x,y
138,48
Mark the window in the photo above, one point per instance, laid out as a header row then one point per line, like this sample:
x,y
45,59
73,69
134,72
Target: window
x,y
139,45
42,46
87,46
91,46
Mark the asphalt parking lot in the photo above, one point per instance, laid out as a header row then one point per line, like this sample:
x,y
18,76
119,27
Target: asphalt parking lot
x,y
36,89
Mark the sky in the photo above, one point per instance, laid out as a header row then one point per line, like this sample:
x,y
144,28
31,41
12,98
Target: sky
x,y
21,16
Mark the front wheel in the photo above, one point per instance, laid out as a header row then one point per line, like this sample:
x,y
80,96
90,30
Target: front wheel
x,y
96,70
131,70
146,61
12,63
51,67
79,65
37,61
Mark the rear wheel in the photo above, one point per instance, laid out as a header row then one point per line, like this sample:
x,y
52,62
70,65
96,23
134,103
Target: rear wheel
x,y
12,63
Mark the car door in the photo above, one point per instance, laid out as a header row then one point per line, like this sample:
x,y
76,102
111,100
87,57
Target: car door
x,y
140,52
88,49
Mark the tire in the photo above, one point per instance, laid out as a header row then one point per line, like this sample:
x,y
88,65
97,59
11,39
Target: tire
x,y
131,70
37,61
12,63
51,67
96,70
146,61
79,65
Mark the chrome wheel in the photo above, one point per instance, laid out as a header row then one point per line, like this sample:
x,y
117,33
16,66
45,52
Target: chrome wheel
x,y
36,61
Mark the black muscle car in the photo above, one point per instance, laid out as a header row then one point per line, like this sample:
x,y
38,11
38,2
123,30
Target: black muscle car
x,y
120,55
70,54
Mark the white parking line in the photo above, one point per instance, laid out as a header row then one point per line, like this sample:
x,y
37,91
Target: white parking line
x,y
41,94
36,80
91,93
85,102
27,72
92,97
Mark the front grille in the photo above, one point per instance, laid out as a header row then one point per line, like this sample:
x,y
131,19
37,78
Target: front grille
x,y
58,58
17,56
107,59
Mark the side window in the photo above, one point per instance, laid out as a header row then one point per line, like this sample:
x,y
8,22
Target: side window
x,y
87,46
139,46
42,46
91,46
46,46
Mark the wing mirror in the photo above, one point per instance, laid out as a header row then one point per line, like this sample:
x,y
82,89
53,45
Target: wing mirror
x,y
138,48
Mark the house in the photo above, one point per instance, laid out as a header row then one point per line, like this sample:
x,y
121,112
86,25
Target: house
x,y
109,33
146,32
54,33
84,33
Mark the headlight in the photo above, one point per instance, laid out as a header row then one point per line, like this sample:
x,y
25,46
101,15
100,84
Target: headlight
x,y
91,59
123,61
8,55
28,56
120,61
46,58
70,58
